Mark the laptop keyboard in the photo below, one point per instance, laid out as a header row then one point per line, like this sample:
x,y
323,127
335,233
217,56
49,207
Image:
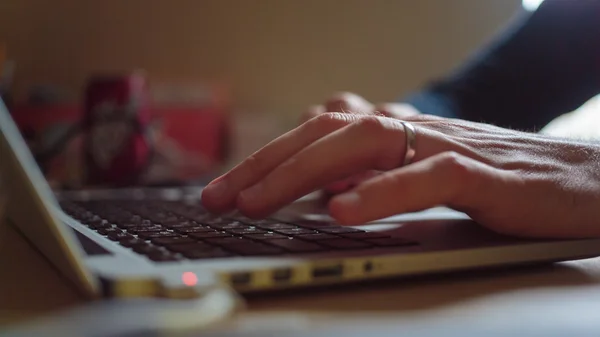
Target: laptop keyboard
x,y
172,231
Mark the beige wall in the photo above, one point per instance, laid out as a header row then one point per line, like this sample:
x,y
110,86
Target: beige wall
x,y
279,55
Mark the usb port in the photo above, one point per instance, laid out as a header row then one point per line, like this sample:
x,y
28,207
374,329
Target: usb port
x,y
240,279
282,275
328,271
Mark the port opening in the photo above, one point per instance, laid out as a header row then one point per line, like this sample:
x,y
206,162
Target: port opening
x,y
282,275
328,271
241,279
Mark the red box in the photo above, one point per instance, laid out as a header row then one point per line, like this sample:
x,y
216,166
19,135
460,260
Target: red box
x,y
191,141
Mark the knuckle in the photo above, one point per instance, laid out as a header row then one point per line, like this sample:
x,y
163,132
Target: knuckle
x,y
458,166
372,124
423,118
348,102
386,109
328,121
378,133
464,176
338,103
397,110
311,113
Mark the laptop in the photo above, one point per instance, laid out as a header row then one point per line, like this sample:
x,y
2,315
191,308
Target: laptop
x,y
147,243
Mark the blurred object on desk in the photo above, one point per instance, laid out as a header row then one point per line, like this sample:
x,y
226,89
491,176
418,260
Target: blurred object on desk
x,y
191,131
190,136
116,119
252,130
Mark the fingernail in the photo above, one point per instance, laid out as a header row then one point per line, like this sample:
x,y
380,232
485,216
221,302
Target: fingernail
x,y
217,189
349,200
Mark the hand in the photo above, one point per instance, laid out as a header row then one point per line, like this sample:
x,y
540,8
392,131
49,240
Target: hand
x,y
350,103
512,182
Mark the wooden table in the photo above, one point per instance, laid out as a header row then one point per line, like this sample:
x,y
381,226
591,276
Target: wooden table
x,y
29,288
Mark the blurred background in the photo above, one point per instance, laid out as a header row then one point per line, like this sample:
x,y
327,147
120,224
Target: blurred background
x,y
222,77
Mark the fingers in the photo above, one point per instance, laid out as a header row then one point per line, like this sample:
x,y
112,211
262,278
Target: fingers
x,y
344,102
448,179
370,143
396,110
312,112
348,102
328,148
349,183
220,194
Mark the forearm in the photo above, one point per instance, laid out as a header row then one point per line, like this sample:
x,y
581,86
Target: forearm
x,y
541,67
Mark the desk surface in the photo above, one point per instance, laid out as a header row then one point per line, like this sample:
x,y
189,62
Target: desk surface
x,y
29,287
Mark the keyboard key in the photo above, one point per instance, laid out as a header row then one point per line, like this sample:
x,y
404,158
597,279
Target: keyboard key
x,y
393,241
339,230
246,231
275,226
170,219
136,219
132,242
296,246
106,231
345,244
206,235
266,236
364,235
161,215
318,237
189,247
129,225
211,254
138,230
257,222
119,219
97,224
182,224
211,220
152,235
119,236
295,231
196,229
164,241
230,225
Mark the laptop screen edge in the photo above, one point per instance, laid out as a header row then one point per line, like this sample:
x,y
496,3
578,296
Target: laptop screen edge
x,y
32,206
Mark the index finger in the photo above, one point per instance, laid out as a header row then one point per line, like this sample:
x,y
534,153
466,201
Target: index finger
x,y
220,195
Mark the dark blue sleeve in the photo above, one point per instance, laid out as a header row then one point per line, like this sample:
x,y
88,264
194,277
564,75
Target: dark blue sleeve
x,y
544,65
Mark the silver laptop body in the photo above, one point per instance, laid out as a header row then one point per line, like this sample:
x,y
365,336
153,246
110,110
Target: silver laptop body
x,y
100,252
